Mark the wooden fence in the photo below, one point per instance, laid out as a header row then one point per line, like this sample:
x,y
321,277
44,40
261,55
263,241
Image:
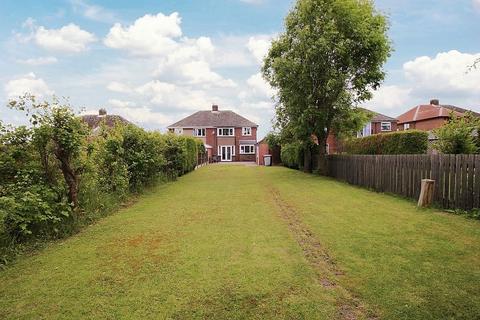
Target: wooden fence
x,y
457,177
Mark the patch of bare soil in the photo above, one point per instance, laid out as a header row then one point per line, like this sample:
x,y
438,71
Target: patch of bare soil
x,y
349,307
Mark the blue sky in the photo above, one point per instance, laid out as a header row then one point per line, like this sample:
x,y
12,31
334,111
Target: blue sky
x,y
157,61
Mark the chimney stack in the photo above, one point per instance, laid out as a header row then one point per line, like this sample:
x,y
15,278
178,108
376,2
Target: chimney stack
x,y
102,112
214,107
435,102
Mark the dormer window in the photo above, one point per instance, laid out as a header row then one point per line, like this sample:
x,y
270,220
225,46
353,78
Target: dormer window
x,y
225,132
246,131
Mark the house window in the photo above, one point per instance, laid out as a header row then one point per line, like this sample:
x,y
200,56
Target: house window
x,y
246,131
225,132
386,126
178,131
406,126
247,149
199,132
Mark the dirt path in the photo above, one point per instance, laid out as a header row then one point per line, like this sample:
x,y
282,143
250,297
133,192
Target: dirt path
x,y
348,307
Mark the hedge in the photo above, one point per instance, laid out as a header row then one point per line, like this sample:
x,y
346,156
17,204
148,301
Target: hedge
x,y
400,142
112,164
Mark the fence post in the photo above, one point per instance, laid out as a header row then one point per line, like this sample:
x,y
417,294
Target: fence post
x,y
426,193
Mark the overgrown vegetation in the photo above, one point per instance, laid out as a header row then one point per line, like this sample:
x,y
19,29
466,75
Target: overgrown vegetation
x,y
56,175
400,142
460,135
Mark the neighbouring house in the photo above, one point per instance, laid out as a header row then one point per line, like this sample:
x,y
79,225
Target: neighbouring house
x,y
227,136
379,123
94,121
429,116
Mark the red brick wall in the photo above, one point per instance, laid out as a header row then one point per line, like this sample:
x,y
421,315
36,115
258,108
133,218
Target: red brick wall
x,y
426,125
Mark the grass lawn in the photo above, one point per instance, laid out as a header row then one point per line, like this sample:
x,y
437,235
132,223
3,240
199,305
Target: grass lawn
x,y
235,242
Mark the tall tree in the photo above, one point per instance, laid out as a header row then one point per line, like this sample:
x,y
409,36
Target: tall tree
x,y
328,59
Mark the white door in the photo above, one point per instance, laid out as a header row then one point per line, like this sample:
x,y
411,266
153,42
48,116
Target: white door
x,y
226,153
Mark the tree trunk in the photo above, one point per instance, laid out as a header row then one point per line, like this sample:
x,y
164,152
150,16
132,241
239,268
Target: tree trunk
x,y
322,156
70,177
307,160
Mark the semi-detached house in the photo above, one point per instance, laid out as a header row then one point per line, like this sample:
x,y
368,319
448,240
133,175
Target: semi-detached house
x,y
227,136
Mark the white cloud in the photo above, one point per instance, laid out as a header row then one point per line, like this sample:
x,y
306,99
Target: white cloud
x,y
27,84
259,46
476,4
173,97
93,12
158,37
38,61
118,87
136,113
446,72
260,87
390,97
69,38
149,35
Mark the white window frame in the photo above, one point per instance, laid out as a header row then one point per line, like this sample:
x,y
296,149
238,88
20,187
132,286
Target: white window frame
x,y
406,126
389,124
178,131
250,146
246,131
231,132
201,130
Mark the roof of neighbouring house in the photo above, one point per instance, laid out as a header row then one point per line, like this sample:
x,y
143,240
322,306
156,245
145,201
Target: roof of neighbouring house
x,y
431,111
378,117
94,120
214,119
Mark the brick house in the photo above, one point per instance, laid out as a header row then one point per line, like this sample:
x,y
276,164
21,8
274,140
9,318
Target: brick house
x,y
380,123
429,116
227,136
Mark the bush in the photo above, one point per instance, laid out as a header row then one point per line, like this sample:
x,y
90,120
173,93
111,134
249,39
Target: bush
x,y
292,155
400,142
458,135
41,166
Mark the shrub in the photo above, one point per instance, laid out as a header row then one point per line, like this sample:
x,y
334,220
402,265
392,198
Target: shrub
x,y
400,142
292,155
41,166
458,135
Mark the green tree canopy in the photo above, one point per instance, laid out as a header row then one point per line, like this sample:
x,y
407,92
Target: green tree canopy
x,y
328,59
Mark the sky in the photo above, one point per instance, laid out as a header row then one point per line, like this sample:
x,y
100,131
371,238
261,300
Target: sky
x,y
155,62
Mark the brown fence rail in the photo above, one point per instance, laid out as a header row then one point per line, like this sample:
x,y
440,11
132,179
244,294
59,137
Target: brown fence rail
x,y
457,177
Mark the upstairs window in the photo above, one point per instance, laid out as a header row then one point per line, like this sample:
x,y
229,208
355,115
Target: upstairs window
x,y
386,126
246,131
199,132
247,149
225,132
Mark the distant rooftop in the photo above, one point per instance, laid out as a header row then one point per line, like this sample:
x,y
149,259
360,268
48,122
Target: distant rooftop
x,y
214,119
431,111
94,120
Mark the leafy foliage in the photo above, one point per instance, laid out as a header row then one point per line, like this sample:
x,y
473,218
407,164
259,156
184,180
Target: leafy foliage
x,y
329,59
460,135
401,142
56,175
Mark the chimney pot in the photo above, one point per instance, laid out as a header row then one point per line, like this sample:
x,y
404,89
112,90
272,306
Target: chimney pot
x,y
435,102
214,107
102,112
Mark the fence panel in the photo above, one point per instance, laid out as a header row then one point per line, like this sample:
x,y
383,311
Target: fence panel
x,y
457,177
